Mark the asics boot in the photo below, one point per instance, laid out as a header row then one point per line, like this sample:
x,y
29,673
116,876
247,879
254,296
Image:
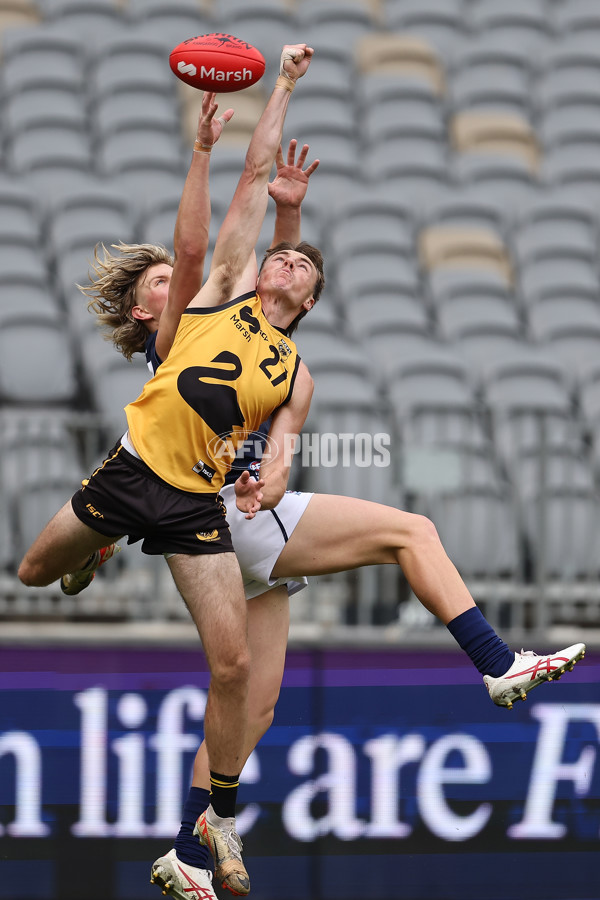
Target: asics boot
x,y
75,582
224,843
529,670
181,881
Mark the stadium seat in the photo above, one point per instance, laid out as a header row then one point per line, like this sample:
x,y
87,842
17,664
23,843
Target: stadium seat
x,y
326,352
575,167
555,225
445,246
499,134
519,24
29,299
52,160
132,148
15,13
479,530
541,469
490,87
170,21
375,272
373,207
19,215
157,225
505,179
573,18
414,168
366,230
491,49
459,210
444,425
128,61
530,403
571,525
440,22
22,343
430,379
410,115
135,108
393,65
386,312
486,345
267,24
569,122
325,114
446,282
338,23
37,106
102,18
21,258
81,221
558,275
40,60
480,314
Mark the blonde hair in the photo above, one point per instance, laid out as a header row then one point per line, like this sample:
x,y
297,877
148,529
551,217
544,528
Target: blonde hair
x,y
112,291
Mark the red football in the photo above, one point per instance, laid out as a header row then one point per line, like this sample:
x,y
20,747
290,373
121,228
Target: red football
x,y
217,62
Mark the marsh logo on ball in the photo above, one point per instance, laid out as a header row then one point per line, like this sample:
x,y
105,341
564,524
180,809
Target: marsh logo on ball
x,y
217,62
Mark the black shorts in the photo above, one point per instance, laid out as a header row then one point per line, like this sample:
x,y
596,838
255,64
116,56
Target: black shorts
x,y
125,497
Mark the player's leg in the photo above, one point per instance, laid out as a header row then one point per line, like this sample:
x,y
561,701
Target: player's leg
x,y
211,586
340,533
64,545
268,626
187,864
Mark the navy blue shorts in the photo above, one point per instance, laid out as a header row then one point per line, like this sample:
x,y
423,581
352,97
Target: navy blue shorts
x,y
125,497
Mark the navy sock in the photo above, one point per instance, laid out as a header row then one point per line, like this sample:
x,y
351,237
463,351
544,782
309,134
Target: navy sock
x,y
188,847
475,635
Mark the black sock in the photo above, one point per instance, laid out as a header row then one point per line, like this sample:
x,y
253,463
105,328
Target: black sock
x,y
223,794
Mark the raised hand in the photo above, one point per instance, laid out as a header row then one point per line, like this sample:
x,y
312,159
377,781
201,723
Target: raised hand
x,y
295,60
289,186
209,127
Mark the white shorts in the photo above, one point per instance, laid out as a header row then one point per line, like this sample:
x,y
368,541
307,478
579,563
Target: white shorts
x,y
259,541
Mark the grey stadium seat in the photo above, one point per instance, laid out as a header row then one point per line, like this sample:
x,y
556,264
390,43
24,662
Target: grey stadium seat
x,y
53,380
479,530
477,312
39,105
556,224
101,19
520,24
440,22
558,276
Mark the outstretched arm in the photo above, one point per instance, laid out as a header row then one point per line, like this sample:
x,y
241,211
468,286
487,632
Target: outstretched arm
x,y
241,227
190,240
288,190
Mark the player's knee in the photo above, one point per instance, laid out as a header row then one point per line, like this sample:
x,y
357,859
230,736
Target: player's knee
x,y
30,574
231,672
422,532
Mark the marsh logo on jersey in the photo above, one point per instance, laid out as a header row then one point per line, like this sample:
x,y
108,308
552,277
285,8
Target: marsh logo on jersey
x,y
284,349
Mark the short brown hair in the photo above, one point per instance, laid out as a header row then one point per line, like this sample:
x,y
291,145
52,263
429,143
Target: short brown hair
x,y
112,291
316,258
